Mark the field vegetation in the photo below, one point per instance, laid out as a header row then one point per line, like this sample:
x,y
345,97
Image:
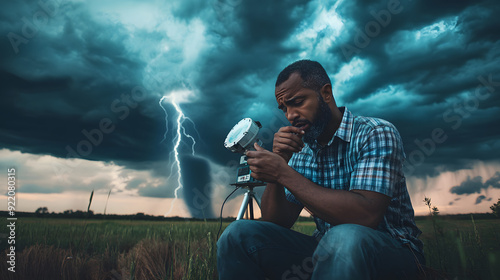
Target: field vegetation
x,y
456,247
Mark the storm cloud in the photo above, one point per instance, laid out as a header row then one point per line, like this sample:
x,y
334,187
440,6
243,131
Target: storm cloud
x,y
480,199
476,185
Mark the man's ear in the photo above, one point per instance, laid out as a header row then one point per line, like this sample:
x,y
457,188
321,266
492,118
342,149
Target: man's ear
x,y
326,93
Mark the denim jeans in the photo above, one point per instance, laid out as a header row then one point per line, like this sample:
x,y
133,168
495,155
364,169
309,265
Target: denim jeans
x,y
258,250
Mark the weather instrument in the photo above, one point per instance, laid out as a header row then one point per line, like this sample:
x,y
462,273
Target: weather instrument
x,y
240,139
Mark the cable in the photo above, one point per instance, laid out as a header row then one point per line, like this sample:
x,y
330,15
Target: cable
x,y
221,208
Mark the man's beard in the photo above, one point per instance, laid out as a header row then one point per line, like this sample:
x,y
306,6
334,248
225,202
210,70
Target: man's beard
x,y
321,120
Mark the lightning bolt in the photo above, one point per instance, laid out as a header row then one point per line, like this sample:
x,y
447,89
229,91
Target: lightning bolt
x,y
175,98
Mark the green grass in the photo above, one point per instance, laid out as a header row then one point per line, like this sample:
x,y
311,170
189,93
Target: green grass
x,y
116,246
118,249
122,235
463,249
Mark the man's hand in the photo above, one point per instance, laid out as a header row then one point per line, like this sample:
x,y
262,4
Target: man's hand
x,y
265,165
288,140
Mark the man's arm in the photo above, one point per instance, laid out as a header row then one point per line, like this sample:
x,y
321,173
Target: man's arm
x,y
333,206
361,207
375,174
276,208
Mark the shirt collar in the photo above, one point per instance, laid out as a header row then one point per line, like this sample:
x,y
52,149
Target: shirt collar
x,y
345,129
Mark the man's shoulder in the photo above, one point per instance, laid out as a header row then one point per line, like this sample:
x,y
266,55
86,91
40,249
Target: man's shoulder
x,y
377,129
368,125
371,123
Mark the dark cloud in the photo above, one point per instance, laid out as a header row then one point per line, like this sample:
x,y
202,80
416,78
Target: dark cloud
x,y
257,30
480,199
476,185
440,72
494,181
57,86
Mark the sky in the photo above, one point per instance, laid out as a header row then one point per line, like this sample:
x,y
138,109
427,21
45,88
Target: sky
x,y
135,98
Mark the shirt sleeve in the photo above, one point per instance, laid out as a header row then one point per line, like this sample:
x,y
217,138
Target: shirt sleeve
x,y
380,162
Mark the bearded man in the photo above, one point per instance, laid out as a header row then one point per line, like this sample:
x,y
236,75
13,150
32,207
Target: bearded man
x,y
347,171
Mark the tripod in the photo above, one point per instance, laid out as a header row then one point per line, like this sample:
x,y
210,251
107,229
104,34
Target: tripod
x,y
248,199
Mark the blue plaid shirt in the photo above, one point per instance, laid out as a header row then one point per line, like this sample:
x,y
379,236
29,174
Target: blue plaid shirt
x,y
363,154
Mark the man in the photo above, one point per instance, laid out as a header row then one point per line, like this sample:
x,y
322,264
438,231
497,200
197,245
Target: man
x,y
347,171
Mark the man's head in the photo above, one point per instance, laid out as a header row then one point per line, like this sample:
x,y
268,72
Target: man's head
x,y
304,93
312,73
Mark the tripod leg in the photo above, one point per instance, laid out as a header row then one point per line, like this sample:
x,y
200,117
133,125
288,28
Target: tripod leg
x,y
243,206
250,204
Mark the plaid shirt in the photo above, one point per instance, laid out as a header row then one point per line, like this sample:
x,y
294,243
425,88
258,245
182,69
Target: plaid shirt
x,y
363,154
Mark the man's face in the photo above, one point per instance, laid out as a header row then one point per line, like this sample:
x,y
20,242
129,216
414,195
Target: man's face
x,y
304,108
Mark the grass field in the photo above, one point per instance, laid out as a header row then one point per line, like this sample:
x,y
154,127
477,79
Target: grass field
x,y
117,249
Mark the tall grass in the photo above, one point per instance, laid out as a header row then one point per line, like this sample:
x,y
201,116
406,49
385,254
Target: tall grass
x,y
118,250
468,249
53,249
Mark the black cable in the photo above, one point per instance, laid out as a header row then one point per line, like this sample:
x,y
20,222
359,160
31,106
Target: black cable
x,y
221,208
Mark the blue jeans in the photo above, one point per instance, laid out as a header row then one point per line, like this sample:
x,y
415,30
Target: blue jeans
x,y
259,250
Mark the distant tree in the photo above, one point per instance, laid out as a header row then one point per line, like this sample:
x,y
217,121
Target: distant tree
x,y
41,211
496,208
78,214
